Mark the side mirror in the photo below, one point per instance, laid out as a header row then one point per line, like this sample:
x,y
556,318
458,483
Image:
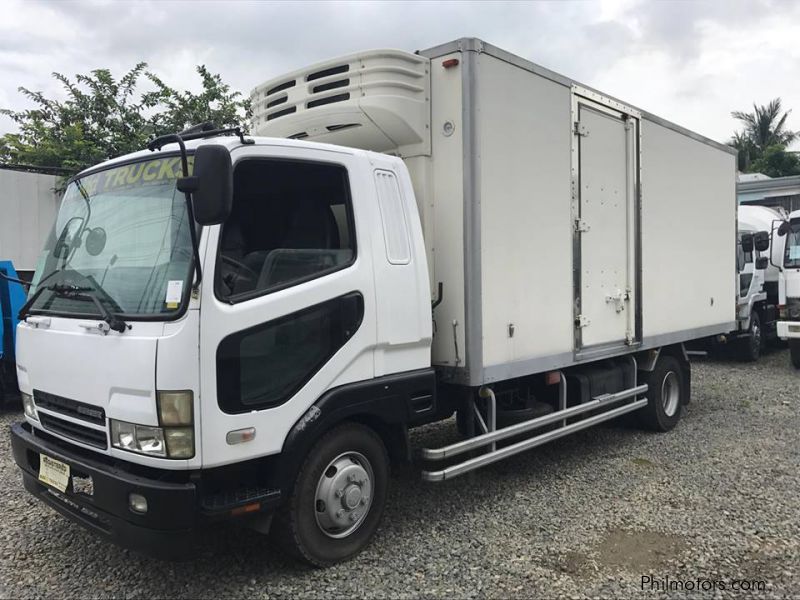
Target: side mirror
x,y
762,262
761,241
783,228
211,184
747,242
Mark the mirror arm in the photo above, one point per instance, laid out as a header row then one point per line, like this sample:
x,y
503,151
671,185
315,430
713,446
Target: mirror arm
x,y
771,231
186,185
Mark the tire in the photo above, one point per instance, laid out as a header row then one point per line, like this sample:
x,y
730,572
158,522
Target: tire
x,y
323,522
750,347
794,353
666,395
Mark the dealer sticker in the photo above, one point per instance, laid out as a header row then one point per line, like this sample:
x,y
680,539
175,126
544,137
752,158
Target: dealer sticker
x,y
53,472
174,293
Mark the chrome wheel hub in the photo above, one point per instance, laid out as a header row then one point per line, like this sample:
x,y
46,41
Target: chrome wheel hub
x,y
344,495
670,393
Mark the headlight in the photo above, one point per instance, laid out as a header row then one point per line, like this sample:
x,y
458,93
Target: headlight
x,y
29,406
166,442
138,438
173,439
175,408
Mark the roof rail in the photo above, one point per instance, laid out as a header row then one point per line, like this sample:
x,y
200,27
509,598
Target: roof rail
x,y
196,132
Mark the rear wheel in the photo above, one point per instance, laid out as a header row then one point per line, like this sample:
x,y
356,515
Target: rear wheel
x,y
794,353
750,346
338,497
666,395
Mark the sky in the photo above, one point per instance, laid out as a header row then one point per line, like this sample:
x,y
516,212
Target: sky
x,y
692,62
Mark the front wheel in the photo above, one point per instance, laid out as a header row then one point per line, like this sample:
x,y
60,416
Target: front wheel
x,y
794,353
666,394
750,348
338,498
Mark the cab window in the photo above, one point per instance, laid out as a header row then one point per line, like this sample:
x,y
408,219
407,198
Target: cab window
x,y
291,221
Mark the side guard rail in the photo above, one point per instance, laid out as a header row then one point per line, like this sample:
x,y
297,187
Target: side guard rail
x,y
485,439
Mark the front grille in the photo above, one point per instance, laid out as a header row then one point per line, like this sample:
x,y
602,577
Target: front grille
x,y
71,408
73,431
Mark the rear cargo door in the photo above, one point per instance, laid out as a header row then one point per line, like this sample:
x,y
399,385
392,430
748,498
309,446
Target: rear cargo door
x,y
605,211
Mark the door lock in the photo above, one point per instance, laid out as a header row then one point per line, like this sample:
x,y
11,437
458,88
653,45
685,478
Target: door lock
x,y
619,299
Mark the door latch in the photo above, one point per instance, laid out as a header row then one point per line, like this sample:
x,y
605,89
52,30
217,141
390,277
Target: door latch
x,y
619,299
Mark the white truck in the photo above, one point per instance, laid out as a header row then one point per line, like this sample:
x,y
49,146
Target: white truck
x,y
789,265
225,327
758,252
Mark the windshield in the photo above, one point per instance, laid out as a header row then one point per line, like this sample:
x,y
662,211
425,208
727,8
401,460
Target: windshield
x,y
122,235
792,252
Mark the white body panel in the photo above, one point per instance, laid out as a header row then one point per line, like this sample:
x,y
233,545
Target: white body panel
x,y
496,199
676,235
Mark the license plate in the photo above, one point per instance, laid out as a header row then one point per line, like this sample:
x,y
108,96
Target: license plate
x,y
53,472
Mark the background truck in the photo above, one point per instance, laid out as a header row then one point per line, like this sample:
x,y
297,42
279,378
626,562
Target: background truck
x,y
226,327
758,252
788,263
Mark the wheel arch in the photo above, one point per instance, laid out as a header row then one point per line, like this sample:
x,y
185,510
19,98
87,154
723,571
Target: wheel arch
x,y
649,359
387,405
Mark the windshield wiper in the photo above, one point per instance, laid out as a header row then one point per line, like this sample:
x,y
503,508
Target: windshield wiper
x,y
59,290
82,293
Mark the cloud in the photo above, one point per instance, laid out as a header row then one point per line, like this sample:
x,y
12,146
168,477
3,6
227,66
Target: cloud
x,y
691,62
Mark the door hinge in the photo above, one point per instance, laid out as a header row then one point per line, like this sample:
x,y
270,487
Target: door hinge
x,y
581,129
581,225
582,321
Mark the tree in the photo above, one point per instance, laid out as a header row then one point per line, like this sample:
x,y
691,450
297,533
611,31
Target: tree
x,y
99,119
103,117
777,162
764,129
216,103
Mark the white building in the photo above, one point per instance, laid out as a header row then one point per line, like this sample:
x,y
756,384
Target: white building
x,y
756,188
28,203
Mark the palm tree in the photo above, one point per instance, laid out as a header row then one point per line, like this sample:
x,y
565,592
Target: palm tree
x,y
764,127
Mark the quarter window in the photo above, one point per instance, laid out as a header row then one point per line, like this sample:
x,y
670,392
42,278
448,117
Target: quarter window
x,y
291,221
393,218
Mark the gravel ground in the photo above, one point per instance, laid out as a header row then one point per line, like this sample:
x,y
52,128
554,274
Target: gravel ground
x,y
717,499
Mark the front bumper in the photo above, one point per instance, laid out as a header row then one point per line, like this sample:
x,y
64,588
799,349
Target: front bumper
x,y
176,511
789,329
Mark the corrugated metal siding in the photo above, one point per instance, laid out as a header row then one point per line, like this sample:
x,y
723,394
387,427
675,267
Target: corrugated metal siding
x,y
28,205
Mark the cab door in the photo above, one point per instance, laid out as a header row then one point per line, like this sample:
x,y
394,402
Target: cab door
x,y
288,307
605,209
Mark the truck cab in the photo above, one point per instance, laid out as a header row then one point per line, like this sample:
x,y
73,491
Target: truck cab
x,y
758,288
316,280
788,327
